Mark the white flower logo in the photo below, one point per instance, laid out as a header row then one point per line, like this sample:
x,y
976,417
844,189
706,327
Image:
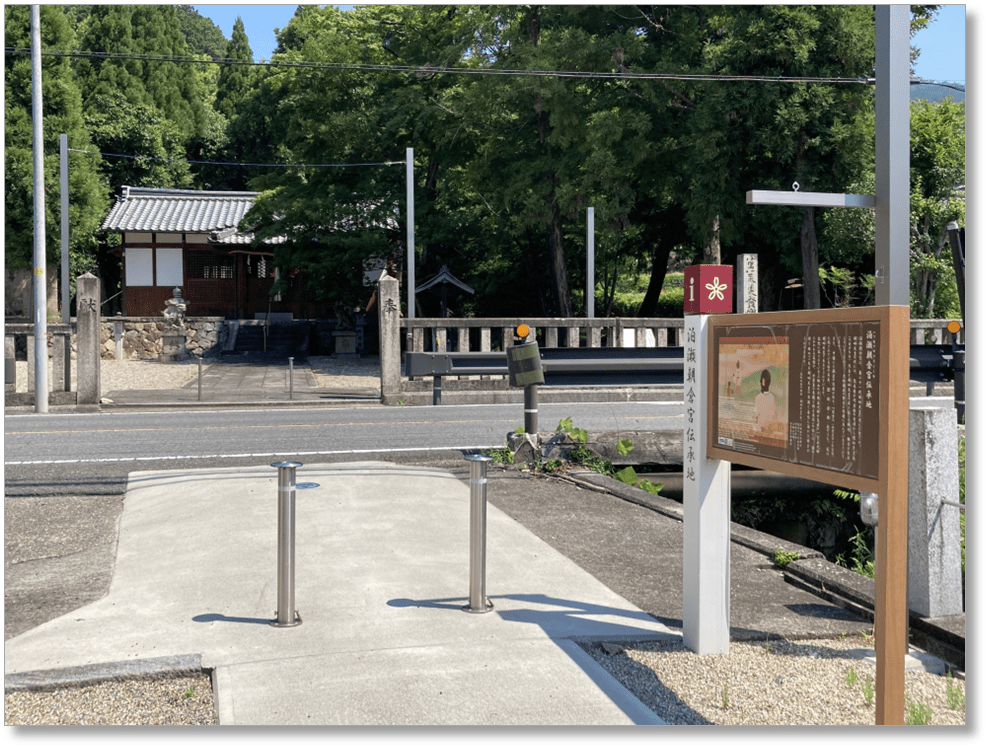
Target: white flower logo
x,y
716,288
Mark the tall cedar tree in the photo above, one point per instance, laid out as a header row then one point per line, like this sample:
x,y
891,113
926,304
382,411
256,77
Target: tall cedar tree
x,y
62,105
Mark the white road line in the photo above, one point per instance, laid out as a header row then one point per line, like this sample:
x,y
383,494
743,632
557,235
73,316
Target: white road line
x,y
248,455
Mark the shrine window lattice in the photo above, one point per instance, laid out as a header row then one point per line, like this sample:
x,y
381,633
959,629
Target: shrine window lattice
x,y
210,265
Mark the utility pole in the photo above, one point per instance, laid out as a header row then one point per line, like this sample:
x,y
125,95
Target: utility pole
x,y
40,292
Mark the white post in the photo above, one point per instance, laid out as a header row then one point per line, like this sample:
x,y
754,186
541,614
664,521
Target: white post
x,y
590,263
40,279
706,508
410,232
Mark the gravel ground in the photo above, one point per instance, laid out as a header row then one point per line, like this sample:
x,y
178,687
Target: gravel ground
x,y
166,702
814,682
776,683
129,374
134,374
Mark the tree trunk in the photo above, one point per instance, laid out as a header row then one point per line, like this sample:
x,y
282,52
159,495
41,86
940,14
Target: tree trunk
x,y
712,244
668,231
808,256
557,266
660,261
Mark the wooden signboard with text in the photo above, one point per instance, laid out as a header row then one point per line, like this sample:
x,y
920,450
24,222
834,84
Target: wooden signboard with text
x,y
800,393
824,395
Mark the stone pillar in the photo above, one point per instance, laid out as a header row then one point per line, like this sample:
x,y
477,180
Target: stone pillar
x,y
934,584
57,382
88,339
9,355
30,364
118,339
747,283
389,340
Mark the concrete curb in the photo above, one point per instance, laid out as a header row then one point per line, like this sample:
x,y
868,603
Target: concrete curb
x,y
942,636
168,667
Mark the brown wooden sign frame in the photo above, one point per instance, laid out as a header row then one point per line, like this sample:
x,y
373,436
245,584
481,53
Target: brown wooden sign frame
x,y
774,326
890,482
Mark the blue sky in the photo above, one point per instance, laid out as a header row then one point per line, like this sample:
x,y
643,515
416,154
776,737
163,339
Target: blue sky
x,y
942,44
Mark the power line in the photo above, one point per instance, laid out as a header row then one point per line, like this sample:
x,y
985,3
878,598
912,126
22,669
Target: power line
x,y
225,163
432,70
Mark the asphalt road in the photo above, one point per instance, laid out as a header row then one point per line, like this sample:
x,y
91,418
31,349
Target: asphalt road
x,y
91,454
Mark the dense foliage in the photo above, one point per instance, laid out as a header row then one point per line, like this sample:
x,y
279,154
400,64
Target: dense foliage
x,y
507,165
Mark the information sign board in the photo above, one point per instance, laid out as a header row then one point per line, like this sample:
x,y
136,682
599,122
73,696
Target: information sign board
x,y
799,392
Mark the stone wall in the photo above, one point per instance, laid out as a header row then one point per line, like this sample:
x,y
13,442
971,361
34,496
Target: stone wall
x,y
142,336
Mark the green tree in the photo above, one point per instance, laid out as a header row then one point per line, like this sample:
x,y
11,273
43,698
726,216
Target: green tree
x,y
169,86
62,114
119,127
937,172
235,81
202,36
108,29
755,135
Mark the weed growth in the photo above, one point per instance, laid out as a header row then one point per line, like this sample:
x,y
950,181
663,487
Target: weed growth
x,y
782,558
918,714
956,695
868,691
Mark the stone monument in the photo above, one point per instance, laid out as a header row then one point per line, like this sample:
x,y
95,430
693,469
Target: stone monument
x,y
173,339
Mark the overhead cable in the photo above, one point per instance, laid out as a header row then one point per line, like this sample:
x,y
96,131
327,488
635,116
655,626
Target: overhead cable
x,y
446,70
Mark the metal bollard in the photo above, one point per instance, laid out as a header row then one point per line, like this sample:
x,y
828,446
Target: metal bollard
x,y
437,390
478,602
200,396
286,615
291,377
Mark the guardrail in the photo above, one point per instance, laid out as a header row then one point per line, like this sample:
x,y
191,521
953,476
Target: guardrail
x,y
495,333
463,334
602,367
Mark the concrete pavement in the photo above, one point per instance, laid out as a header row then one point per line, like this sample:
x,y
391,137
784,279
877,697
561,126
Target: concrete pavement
x,y
382,571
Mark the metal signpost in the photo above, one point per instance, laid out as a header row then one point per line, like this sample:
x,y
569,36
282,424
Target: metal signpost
x,y
892,206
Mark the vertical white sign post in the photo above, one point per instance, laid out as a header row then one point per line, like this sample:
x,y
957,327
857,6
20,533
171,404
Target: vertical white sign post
x,y
706,508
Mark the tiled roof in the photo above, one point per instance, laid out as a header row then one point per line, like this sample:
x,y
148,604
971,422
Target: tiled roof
x,y
149,209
